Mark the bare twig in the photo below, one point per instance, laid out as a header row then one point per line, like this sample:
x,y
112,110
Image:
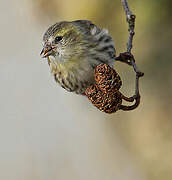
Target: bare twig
x,y
128,57
130,17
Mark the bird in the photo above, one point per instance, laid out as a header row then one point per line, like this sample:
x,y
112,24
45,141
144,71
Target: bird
x,y
73,49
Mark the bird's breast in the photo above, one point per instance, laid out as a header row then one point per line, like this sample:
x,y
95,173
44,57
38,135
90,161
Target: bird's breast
x,y
72,76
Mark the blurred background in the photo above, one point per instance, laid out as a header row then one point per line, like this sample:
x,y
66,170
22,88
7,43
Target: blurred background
x,y
47,133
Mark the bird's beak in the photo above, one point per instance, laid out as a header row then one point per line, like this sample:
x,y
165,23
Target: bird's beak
x,y
47,51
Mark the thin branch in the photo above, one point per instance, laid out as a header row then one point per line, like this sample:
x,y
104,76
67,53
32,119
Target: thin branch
x,y
128,57
130,17
126,7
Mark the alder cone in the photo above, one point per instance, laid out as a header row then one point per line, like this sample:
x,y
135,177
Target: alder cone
x,y
107,78
107,102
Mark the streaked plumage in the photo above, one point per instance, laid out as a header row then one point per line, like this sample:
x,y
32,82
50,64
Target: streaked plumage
x,y
74,49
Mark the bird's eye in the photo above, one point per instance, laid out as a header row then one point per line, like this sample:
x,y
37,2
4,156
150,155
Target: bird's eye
x,y
58,38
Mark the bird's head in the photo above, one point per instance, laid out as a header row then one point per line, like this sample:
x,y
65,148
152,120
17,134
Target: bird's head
x,y
64,40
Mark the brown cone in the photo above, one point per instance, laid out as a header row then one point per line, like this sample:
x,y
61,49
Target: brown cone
x,y
106,102
107,78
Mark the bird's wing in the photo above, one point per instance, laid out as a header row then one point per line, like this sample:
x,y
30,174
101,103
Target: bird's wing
x,y
88,26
